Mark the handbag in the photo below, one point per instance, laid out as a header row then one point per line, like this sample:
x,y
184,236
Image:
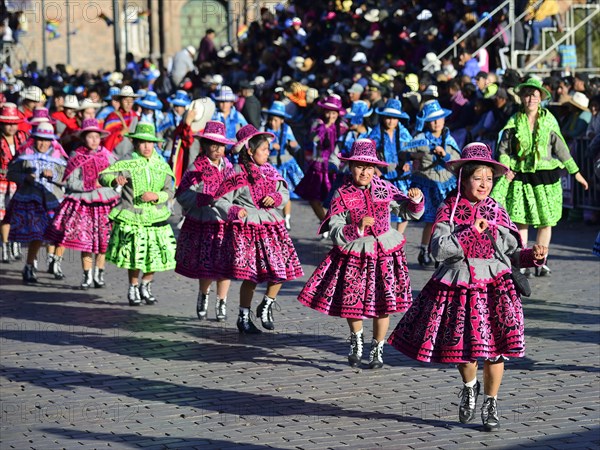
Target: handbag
x,y
519,280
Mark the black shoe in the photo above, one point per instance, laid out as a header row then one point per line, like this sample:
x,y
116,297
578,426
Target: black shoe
x,y
221,310
376,355
202,305
133,295
489,415
468,401
146,293
265,312
99,278
50,263
29,275
425,258
245,325
87,281
357,343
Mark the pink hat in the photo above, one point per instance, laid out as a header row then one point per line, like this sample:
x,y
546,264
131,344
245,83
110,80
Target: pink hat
x,y
215,131
89,125
10,114
246,133
364,151
477,152
333,103
40,114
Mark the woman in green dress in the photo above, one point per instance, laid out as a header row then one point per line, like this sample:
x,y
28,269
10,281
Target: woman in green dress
x,y
534,149
141,239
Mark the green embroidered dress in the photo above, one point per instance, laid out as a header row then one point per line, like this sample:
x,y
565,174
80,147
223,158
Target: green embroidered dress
x,y
534,197
141,238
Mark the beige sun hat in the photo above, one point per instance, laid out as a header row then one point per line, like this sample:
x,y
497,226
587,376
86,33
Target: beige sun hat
x,y
579,100
127,91
71,102
205,108
88,103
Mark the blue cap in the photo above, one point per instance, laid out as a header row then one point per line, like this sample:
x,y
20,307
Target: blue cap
x,y
114,90
150,101
277,109
180,98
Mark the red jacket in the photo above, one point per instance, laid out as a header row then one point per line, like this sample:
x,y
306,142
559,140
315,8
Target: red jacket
x,y
5,155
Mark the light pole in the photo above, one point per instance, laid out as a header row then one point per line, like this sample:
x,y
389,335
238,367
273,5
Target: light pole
x,y
117,37
44,56
126,22
68,32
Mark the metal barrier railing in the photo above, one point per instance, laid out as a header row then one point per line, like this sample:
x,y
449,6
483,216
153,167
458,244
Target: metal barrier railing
x,y
574,194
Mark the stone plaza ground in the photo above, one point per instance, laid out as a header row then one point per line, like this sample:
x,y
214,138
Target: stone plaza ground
x,y
82,369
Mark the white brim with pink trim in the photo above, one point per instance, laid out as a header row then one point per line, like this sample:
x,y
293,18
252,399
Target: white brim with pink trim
x,y
499,169
365,159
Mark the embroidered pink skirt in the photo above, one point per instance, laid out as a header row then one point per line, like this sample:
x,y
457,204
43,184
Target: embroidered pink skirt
x,y
201,250
457,325
81,226
359,286
262,252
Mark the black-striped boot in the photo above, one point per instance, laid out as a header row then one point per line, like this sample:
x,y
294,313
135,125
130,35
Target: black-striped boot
x,y
5,253
357,343
57,269
87,281
98,278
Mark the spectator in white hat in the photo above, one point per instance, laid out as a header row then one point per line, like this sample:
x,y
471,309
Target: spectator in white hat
x,y
31,97
183,63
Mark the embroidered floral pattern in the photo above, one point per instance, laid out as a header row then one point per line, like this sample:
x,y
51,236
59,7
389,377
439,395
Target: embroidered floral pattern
x,y
459,325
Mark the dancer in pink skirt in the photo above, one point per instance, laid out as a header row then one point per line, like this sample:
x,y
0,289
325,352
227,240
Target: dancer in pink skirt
x,y
81,222
262,250
325,132
470,308
200,251
365,275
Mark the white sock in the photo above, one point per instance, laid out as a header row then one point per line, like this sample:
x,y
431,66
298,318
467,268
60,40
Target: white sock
x,y
358,333
244,311
471,384
268,300
485,397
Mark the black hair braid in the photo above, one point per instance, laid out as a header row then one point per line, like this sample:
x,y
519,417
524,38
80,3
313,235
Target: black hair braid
x,y
246,162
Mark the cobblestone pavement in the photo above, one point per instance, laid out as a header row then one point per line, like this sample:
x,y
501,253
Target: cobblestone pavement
x,y
82,369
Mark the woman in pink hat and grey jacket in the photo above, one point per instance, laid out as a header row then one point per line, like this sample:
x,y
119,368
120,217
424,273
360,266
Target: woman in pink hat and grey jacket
x,y
200,251
365,275
261,249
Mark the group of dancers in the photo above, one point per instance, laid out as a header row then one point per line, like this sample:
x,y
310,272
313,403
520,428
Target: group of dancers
x,y
236,227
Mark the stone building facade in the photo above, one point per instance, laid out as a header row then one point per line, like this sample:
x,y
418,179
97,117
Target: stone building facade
x,y
86,41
